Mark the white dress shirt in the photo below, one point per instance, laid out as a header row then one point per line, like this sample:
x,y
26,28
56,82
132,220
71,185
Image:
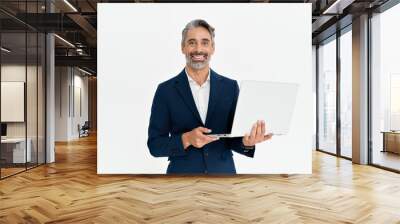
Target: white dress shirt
x,y
201,95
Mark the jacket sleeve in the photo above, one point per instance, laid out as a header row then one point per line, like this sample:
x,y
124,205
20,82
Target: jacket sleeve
x,y
236,144
161,142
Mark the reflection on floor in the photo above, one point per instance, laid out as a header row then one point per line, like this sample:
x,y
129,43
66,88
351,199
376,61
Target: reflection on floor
x,y
386,159
10,169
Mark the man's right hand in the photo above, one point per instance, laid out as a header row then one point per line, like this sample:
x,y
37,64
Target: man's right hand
x,y
197,138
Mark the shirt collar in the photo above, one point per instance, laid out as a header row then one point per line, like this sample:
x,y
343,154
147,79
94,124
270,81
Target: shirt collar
x,y
192,80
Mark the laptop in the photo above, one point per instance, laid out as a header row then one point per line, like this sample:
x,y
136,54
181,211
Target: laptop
x,y
273,102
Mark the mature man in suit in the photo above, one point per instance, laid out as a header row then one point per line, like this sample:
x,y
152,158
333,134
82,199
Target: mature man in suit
x,y
193,104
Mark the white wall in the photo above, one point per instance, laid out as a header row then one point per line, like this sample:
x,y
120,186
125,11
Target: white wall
x,y
134,57
80,84
15,72
61,103
12,73
68,82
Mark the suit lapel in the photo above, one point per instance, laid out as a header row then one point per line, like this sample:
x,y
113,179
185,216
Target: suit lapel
x,y
215,94
182,84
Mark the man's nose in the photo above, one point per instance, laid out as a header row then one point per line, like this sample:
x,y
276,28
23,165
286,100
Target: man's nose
x,y
197,48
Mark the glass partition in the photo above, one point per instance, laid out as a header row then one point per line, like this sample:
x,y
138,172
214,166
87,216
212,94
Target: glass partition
x,y
327,96
385,89
22,67
346,94
14,153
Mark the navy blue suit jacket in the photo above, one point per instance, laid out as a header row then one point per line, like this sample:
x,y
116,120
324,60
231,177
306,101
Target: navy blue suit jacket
x,y
174,112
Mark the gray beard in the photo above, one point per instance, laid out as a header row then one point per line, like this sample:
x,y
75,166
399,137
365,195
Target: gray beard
x,y
196,65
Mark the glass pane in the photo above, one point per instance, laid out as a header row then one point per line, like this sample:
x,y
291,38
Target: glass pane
x,y
22,88
13,86
41,98
314,78
31,101
327,97
346,94
386,89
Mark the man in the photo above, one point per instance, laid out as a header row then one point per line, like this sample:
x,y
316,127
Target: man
x,y
193,104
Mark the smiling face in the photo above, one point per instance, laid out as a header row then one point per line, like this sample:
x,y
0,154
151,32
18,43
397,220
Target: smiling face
x,y
198,48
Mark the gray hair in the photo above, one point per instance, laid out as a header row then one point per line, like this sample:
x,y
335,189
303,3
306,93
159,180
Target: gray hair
x,y
197,23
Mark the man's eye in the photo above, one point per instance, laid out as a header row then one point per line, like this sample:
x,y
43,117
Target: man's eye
x,y
205,43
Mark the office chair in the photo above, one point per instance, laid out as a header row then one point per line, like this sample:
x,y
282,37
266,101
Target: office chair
x,y
84,130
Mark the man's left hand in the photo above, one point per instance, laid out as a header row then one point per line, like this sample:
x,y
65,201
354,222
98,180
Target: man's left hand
x,y
257,134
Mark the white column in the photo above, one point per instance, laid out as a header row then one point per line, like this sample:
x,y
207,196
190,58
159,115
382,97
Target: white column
x,y
360,90
50,100
50,92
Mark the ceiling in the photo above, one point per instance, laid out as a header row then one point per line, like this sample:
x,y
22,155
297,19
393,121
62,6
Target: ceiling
x,y
76,22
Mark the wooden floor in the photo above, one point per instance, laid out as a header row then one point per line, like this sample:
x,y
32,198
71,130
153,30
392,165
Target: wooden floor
x,y
70,191
8,171
5,172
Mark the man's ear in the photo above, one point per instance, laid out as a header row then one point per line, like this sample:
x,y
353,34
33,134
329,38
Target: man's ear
x,y
182,48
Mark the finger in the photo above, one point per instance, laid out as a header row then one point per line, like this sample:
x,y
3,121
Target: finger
x,y
211,139
263,127
259,134
267,137
205,136
246,138
208,139
204,130
253,132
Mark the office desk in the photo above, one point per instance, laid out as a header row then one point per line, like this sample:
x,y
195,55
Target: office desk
x,y
13,150
391,141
